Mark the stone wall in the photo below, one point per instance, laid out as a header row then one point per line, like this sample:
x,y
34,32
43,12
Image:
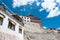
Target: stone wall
x,y
4,36
46,35
31,26
28,35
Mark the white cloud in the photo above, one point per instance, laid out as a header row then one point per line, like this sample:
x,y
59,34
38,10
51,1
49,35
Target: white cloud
x,y
58,1
50,6
44,27
41,9
37,3
18,3
54,13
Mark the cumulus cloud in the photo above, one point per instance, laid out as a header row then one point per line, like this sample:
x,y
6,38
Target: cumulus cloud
x,y
41,9
50,6
18,3
37,3
54,13
44,27
58,1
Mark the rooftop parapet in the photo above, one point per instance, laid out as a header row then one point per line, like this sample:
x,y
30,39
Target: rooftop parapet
x,y
18,18
33,19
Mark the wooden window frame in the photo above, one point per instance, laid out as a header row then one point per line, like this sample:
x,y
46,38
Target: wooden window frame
x,y
11,25
20,30
1,18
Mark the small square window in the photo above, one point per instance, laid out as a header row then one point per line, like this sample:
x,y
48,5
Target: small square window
x,y
27,18
20,30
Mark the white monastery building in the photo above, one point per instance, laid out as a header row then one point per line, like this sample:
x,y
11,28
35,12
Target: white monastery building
x,y
10,24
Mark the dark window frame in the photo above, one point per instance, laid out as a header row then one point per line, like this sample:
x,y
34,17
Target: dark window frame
x,y
20,30
10,25
1,18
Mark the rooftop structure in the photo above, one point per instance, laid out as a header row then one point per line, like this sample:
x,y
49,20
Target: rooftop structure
x,y
32,23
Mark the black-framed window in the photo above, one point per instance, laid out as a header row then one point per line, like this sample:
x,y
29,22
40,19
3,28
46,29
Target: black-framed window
x,y
1,21
20,30
1,18
11,25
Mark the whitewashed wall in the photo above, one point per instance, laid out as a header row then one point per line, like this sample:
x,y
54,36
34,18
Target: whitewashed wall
x,y
4,27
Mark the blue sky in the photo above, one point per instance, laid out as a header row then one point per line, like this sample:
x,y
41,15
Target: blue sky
x,y
47,10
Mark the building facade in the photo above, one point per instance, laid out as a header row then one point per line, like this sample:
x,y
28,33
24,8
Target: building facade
x,y
32,23
10,24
